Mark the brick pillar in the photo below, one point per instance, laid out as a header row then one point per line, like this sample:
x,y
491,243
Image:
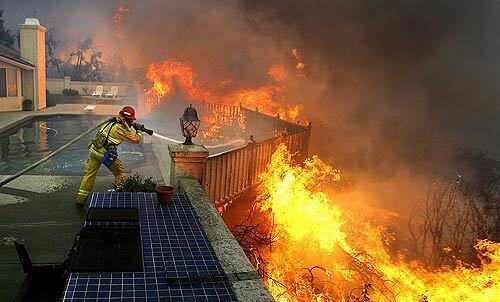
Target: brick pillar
x,y
187,161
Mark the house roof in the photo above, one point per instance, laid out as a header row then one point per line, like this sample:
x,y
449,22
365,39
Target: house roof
x,y
13,57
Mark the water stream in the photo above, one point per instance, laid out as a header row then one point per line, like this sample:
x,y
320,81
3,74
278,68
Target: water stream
x,y
166,138
235,143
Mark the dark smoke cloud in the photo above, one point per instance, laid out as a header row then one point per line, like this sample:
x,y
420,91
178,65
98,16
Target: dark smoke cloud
x,y
400,72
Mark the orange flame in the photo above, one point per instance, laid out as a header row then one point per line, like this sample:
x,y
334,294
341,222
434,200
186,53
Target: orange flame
x,y
277,73
177,76
323,254
300,65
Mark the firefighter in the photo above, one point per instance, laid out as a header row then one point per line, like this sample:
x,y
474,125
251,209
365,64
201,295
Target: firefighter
x,y
103,151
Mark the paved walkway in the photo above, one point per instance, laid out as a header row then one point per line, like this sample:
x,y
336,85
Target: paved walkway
x,y
8,119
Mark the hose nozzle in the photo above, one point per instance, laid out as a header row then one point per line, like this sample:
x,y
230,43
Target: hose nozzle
x,y
142,128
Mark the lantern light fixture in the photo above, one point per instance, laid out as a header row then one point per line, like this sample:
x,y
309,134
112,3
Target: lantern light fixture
x,y
190,123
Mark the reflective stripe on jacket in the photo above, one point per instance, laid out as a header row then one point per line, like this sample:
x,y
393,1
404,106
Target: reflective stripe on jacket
x,y
116,134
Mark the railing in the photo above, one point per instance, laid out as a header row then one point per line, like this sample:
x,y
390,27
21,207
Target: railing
x,y
229,174
263,125
220,113
254,122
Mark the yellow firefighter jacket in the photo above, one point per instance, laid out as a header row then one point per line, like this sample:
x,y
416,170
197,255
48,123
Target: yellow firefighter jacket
x,y
112,134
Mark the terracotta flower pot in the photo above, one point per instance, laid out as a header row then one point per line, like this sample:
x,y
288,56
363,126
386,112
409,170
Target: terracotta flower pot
x,y
164,193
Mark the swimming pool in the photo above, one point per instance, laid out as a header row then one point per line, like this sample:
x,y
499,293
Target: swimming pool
x,y
35,138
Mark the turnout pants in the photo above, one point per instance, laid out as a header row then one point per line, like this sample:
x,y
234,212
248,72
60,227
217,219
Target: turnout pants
x,y
90,173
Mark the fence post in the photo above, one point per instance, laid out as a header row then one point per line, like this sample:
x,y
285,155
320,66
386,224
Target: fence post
x,y
252,160
187,161
67,82
308,138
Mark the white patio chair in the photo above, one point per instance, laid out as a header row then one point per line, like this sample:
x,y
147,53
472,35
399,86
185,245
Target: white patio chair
x,y
89,108
98,91
113,92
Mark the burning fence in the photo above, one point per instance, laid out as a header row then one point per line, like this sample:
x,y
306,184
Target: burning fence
x,y
221,104
177,77
309,247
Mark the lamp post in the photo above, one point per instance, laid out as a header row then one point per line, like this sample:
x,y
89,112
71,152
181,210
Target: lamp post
x,y
190,123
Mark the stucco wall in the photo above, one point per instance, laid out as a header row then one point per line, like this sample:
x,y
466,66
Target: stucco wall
x,y
32,48
14,103
55,86
11,103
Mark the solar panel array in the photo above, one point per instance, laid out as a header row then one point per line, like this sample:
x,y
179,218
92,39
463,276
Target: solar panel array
x,y
179,263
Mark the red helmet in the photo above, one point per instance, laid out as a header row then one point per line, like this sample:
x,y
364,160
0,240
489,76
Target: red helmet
x,y
128,112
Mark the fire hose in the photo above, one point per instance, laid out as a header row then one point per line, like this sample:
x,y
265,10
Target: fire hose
x,y
61,149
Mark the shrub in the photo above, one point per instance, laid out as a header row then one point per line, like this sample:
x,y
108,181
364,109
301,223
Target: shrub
x,y
135,183
51,102
69,91
27,105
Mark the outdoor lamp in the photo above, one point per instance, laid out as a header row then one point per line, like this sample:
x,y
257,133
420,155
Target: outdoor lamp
x,y
190,123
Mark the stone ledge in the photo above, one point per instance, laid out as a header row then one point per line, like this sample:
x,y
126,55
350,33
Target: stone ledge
x,y
252,291
245,280
185,152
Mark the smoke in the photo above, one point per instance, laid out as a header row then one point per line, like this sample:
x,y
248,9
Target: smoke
x,y
408,86
403,70
407,81
392,87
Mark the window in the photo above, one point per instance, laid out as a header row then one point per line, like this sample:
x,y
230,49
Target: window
x,y
3,82
12,82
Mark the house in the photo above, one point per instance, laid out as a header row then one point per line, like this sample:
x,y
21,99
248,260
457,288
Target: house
x,y
22,73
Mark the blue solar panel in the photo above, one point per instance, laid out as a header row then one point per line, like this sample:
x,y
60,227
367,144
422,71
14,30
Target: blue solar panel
x,y
179,262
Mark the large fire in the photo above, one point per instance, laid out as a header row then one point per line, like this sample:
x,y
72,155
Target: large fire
x,y
323,252
175,76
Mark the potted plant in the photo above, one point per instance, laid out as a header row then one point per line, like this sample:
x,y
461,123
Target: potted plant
x,y
164,193
27,105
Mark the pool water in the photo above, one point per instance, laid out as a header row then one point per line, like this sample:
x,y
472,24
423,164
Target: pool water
x,y
36,138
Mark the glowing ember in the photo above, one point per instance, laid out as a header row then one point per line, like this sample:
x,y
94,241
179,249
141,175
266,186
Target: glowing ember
x,y
118,19
325,253
300,63
277,73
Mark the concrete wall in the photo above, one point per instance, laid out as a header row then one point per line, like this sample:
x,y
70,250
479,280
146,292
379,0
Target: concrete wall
x,y
55,86
14,103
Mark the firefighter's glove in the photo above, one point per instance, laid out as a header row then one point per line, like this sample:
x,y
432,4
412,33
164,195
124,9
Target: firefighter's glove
x,y
137,127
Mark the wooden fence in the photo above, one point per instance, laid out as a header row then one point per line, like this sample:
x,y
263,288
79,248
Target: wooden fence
x,y
254,122
220,113
229,174
263,125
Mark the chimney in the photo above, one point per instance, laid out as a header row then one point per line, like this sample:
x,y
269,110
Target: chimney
x,y
32,46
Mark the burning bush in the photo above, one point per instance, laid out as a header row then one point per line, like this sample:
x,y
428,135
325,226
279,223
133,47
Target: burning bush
x,y
308,247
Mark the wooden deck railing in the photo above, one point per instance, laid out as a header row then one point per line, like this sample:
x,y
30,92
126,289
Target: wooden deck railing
x,y
262,125
229,174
